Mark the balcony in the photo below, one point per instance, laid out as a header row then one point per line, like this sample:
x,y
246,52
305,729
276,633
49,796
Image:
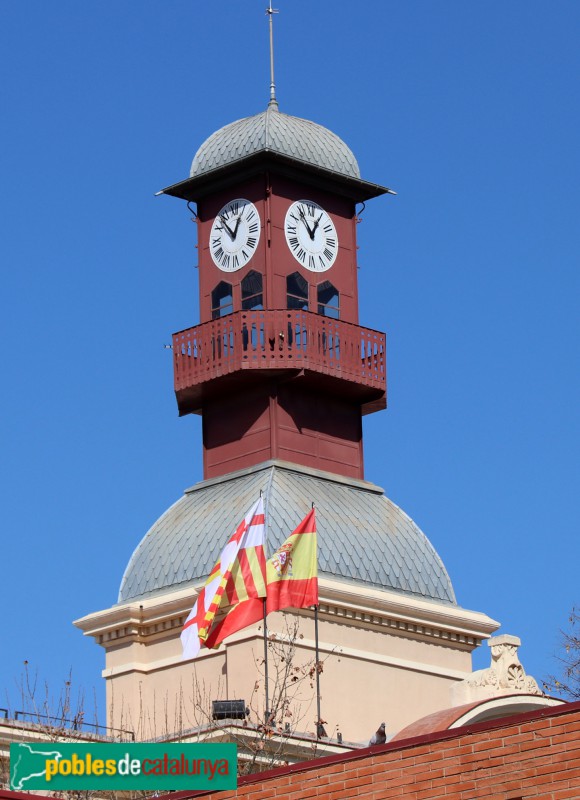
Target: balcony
x,y
328,353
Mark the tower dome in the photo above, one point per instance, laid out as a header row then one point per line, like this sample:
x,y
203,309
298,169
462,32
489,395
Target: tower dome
x,y
362,536
275,132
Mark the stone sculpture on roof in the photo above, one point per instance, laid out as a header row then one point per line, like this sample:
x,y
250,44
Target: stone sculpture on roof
x,y
504,676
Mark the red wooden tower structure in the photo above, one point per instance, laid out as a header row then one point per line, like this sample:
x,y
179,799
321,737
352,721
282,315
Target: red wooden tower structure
x,y
279,367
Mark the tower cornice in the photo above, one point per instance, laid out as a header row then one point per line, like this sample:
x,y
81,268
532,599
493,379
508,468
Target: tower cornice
x,y
195,188
161,616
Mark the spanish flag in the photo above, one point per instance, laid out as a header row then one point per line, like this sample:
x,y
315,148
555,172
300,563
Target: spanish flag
x,y
292,572
291,575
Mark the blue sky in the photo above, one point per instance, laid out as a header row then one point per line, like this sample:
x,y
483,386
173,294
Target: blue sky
x,y
469,110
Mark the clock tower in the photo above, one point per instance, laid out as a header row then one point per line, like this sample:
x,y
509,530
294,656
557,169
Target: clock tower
x,y
279,367
281,372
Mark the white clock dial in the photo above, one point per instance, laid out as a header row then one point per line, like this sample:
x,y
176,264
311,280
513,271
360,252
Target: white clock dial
x,y
311,235
234,235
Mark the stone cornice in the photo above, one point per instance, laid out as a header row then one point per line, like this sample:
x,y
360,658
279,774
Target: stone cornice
x,y
161,617
405,613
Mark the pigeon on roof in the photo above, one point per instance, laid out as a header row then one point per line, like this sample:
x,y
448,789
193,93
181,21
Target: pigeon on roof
x,y
379,736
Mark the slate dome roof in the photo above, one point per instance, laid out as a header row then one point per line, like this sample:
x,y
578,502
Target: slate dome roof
x,y
362,536
273,131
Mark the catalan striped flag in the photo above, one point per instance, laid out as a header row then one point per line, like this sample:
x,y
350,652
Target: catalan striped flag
x,y
239,573
292,572
244,591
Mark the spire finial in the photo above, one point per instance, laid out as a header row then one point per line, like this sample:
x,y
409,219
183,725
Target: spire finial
x,y
273,102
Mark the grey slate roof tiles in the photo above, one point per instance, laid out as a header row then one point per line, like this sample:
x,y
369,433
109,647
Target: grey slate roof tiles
x,y
362,535
279,133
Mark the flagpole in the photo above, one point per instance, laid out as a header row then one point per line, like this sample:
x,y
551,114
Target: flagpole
x,y
267,709
317,656
266,693
319,720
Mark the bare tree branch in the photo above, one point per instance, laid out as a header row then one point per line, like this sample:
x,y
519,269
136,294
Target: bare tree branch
x,y
567,684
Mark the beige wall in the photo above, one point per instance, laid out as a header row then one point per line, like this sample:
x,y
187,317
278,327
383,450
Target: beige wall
x,y
386,657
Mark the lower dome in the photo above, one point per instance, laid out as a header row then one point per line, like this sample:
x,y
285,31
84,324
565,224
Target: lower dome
x,y
362,536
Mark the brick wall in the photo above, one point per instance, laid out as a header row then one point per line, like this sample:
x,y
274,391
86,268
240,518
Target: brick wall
x,y
534,755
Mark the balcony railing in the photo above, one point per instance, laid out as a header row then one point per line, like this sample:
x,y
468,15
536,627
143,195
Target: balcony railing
x,y
279,340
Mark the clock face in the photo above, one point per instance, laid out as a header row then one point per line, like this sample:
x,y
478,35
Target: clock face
x,y
311,235
234,235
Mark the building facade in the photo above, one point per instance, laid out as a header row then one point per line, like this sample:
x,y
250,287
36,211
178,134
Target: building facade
x,y
281,372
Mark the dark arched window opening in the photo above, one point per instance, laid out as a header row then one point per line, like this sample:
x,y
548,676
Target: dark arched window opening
x,y
296,292
328,300
222,301
252,297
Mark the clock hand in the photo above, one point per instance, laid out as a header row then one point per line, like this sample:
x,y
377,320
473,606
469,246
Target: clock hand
x,y
226,226
237,226
303,217
316,224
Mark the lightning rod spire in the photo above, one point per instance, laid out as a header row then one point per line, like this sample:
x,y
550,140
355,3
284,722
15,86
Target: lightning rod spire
x,y
273,102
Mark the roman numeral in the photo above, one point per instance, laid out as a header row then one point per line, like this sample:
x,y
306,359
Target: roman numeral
x,y
327,228
311,262
310,210
330,242
215,242
234,207
253,227
293,241
251,215
301,254
251,242
219,253
291,228
236,261
328,253
226,260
